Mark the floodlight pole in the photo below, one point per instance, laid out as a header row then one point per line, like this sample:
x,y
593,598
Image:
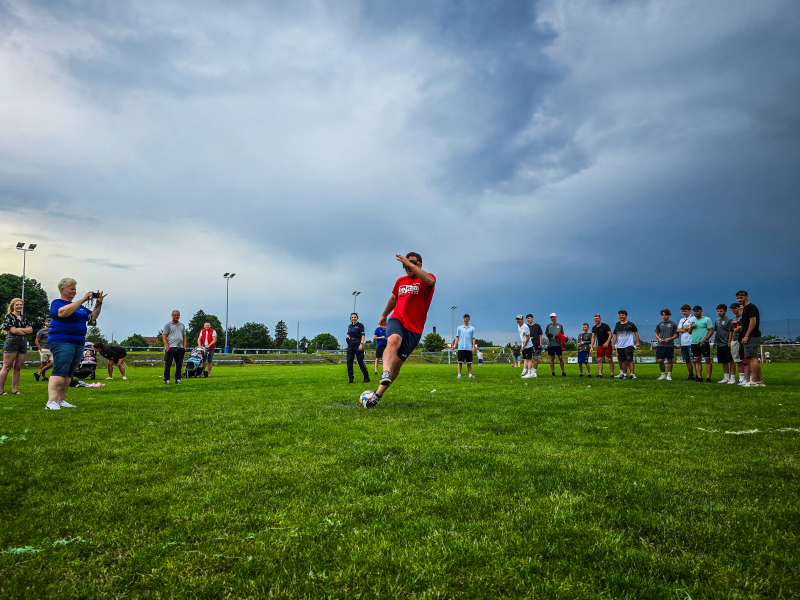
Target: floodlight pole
x,y
355,297
30,248
452,331
228,277
298,338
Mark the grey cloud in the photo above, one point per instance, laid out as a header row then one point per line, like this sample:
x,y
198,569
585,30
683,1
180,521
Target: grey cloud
x,y
104,262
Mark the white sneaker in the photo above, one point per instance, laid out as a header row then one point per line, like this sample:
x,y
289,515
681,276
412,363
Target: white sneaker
x,y
528,376
631,376
534,373
524,373
723,380
662,378
52,405
472,376
669,376
65,404
731,381
458,376
620,376
750,384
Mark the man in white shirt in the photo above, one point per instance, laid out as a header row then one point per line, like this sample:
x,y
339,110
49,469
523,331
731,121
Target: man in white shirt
x,y
465,342
527,348
685,329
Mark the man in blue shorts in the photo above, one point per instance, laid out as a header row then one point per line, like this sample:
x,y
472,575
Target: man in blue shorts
x,y
380,345
410,300
666,334
584,348
465,342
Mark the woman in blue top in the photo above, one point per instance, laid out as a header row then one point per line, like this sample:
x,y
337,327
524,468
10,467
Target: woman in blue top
x,y
67,338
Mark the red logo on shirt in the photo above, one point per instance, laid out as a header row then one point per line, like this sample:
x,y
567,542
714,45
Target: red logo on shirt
x,y
408,289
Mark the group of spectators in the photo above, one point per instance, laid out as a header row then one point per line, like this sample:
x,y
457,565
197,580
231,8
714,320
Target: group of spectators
x,y
736,341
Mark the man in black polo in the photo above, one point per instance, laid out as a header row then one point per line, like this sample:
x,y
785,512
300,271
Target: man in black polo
x,y
750,338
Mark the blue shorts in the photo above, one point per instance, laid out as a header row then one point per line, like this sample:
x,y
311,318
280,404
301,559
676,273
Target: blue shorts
x,y
210,355
410,339
663,352
583,357
686,353
554,350
66,358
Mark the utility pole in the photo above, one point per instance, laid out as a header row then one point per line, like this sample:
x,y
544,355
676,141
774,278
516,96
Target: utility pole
x,y
298,338
452,331
355,297
228,277
30,248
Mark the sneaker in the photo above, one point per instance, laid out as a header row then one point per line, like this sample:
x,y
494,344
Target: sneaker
x,y
741,382
620,376
690,378
631,376
205,374
528,376
472,376
166,382
751,384
52,405
532,373
524,373
366,380
373,402
669,377
761,384
662,378
708,380
386,379
589,375
177,381
48,379
553,373
731,382
36,376
458,376
65,404
563,374
81,384
723,380
581,375
351,381
599,376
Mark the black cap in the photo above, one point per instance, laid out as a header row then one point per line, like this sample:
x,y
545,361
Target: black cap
x,y
735,305
697,307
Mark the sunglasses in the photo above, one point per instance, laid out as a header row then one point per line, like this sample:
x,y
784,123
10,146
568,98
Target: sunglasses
x,y
413,262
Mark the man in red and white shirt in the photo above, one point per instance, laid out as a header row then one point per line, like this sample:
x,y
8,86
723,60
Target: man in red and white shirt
x,y
410,300
208,340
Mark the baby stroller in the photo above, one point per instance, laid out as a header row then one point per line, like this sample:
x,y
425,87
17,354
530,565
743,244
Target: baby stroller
x,y
88,364
195,364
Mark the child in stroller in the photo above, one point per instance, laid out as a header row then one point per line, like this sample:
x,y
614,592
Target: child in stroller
x,y
196,363
88,364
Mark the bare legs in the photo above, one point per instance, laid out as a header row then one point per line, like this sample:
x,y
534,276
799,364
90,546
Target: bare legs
x,y
57,388
391,361
12,361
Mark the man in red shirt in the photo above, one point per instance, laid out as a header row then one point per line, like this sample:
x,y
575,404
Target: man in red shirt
x,y
208,340
410,300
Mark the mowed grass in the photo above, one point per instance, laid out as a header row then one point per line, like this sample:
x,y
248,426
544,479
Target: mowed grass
x,y
273,482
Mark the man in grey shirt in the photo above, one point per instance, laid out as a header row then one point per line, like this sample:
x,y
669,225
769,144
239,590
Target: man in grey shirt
x,y
722,328
45,355
174,346
553,345
667,333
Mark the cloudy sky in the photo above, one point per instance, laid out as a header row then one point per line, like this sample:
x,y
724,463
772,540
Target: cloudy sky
x,y
572,156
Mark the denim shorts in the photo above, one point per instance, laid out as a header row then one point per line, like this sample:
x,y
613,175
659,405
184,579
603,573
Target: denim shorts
x,y
210,355
15,344
686,354
66,358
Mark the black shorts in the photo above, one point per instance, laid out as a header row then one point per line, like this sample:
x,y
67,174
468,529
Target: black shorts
x,y
527,353
554,350
465,356
663,352
379,351
625,354
703,350
724,354
410,338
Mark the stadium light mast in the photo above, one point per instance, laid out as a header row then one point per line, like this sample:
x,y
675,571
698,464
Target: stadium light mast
x,y
355,297
30,248
228,277
452,331
298,338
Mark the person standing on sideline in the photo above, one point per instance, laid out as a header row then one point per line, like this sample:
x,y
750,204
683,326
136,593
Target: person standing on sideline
x,y
355,348
480,357
626,339
702,330
380,345
17,326
685,329
208,340
553,345
45,356
114,355
722,331
174,346
584,348
68,326
410,300
750,338
601,333
527,348
737,352
465,342
536,341
515,352
305,347
666,334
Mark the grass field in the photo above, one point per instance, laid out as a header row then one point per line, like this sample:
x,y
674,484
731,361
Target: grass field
x,y
273,482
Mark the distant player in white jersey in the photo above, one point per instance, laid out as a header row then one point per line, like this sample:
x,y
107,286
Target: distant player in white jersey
x,y
465,342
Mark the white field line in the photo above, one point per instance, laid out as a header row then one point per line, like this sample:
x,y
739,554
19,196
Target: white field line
x,y
751,431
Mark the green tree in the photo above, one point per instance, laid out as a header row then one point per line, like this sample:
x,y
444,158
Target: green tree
x,y
324,341
281,333
253,335
93,334
289,344
572,344
433,342
135,340
483,343
37,306
196,325
159,343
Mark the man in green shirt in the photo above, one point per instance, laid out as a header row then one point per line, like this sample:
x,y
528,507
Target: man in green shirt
x,y
702,329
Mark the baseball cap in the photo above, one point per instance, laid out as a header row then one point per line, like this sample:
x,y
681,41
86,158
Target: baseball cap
x,y
697,307
518,317
553,315
735,305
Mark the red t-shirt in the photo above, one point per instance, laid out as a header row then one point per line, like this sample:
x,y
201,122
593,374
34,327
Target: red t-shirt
x,y
207,337
413,301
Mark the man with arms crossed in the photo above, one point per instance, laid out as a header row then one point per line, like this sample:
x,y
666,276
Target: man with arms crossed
x,y
45,356
737,353
750,338
702,329
465,342
722,331
584,347
174,346
553,345
410,300
685,329
601,333
379,336
666,334
208,340
626,339
536,334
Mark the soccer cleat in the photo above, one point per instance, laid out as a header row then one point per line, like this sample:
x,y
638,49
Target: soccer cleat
x,y
36,376
47,379
472,376
52,405
662,378
373,402
458,376
386,379
65,404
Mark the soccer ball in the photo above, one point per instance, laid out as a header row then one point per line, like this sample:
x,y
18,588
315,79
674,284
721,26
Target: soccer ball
x,y
366,397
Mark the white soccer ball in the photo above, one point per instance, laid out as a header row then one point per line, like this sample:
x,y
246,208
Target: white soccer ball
x,y
366,397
